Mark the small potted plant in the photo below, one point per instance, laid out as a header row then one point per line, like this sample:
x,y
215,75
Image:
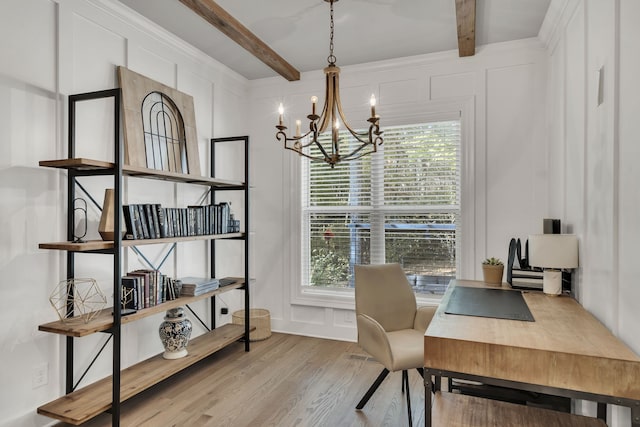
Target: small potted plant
x,y
492,270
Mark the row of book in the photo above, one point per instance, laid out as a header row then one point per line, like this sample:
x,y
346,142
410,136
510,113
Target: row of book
x,y
152,221
146,288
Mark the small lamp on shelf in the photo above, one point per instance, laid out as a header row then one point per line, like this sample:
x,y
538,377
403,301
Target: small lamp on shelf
x,y
553,253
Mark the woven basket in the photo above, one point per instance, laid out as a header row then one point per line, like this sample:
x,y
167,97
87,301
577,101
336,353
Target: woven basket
x,y
258,317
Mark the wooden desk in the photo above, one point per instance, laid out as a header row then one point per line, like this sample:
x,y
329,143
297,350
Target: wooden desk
x,y
565,352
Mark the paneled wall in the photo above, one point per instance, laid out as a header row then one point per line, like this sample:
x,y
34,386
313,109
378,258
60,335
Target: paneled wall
x,y
549,131
501,94
593,111
52,49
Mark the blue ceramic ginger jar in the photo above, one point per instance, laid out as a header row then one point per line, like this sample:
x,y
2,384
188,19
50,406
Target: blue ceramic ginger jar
x,y
175,332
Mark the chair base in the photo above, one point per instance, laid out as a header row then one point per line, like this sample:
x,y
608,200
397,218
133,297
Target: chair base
x,y
373,388
378,381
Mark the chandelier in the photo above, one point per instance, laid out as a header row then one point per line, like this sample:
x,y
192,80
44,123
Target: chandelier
x,y
331,116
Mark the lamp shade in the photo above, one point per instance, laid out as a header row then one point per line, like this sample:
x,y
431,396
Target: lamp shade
x,y
553,250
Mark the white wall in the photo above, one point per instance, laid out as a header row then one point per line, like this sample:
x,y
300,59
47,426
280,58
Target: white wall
x,y
538,146
501,91
52,49
595,153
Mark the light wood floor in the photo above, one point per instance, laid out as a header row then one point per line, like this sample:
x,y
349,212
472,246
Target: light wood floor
x,y
286,380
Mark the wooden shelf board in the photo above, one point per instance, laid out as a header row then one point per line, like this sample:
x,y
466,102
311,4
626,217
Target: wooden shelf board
x,y
93,245
127,243
90,245
77,327
457,410
77,163
94,399
136,171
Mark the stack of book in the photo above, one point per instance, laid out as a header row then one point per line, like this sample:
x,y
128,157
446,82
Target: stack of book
x,y
194,286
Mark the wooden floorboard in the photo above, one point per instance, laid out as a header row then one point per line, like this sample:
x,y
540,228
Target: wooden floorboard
x,y
286,380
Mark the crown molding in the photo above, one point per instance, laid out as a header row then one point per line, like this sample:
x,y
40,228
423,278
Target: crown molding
x,y
555,21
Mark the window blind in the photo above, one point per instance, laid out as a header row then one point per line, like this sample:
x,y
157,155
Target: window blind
x,y
401,204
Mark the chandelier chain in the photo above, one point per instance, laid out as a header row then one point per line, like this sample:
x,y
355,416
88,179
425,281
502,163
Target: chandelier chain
x,y
331,58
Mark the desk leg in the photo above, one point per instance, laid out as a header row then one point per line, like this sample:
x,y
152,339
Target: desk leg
x,y
635,414
602,411
427,398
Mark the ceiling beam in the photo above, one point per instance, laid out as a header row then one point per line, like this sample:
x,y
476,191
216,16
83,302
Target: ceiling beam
x,y
223,21
466,20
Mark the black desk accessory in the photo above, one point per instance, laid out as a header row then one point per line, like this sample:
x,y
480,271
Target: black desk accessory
x,y
483,302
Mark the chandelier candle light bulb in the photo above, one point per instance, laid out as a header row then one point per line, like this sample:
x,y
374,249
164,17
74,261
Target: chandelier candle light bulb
x,y
281,113
364,142
373,105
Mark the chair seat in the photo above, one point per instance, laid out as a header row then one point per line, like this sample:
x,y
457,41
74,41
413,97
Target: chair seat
x,y
407,350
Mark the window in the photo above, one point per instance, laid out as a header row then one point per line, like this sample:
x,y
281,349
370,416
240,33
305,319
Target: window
x,y
401,204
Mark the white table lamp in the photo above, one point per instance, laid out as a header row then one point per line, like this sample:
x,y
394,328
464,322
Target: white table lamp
x,y
553,252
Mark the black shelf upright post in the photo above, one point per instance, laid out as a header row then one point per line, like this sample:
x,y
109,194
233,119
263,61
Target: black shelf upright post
x,y
117,253
117,250
246,243
245,188
71,181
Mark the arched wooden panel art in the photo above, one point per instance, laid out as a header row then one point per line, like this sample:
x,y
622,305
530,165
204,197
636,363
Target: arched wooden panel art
x,y
159,125
164,139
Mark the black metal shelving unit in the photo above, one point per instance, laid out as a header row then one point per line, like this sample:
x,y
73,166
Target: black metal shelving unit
x,y
110,320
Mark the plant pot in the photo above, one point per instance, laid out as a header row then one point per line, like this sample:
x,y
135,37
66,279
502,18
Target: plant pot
x,y
492,273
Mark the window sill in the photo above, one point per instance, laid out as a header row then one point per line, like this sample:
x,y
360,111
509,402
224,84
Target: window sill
x,y
325,297
344,298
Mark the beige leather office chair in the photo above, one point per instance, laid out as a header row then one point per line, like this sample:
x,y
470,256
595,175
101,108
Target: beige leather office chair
x,y
390,325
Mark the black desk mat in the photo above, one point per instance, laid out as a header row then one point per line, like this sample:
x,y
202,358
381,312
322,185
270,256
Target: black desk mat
x,y
482,302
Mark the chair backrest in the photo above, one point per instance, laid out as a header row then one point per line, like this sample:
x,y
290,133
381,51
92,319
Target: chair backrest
x,y
384,293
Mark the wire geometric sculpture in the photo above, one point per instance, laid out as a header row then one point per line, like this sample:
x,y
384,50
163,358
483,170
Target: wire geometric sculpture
x,y
80,206
77,298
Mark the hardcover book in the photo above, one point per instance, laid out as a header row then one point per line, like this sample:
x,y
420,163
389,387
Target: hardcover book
x,y
131,232
143,220
130,291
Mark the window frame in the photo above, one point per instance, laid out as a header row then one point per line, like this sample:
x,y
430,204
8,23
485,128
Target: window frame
x,y
343,298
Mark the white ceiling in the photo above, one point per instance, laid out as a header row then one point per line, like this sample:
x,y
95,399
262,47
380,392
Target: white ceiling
x,y
365,30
